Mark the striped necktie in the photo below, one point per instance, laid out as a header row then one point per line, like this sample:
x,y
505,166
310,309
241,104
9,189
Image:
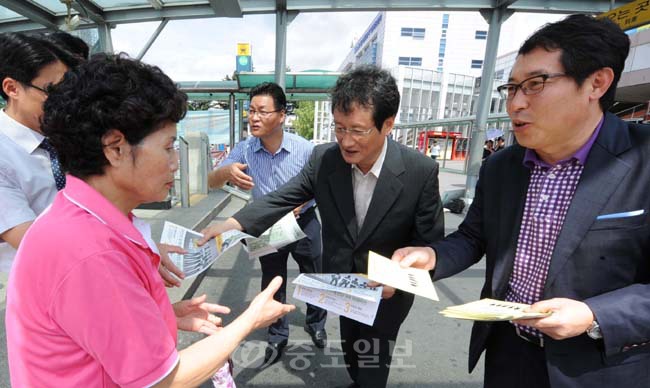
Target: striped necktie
x,y
59,177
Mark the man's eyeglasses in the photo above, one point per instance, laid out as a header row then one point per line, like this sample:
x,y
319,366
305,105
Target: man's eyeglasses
x,y
36,87
263,114
532,85
355,132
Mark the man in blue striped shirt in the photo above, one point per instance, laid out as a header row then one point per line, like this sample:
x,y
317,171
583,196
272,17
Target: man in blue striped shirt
x,y
263,163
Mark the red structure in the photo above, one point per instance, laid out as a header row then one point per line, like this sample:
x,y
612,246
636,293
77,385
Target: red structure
x,y
454,143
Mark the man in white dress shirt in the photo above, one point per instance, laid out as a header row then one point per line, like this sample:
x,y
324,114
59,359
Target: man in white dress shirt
x,y
28,66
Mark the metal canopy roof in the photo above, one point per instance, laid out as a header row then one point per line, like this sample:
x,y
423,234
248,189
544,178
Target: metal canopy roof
x,y
307,85
21,15
320,81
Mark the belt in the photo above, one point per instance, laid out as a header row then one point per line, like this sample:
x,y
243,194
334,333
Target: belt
x,y
309,212
533,339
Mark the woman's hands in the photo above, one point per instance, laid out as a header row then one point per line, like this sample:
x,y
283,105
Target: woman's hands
x,y
196,315
167,269
264,310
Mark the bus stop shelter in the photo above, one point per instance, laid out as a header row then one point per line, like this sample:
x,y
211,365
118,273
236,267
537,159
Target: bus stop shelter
x,y
36,15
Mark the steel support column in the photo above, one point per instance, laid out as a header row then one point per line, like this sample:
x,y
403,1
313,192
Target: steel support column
x,y
105,40
495,17
153,38
281,23
232,120
240,115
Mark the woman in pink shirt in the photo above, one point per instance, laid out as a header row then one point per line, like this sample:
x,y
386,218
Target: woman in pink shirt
x,y
85,305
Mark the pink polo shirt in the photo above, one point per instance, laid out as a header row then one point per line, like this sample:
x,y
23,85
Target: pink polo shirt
x,y
86,306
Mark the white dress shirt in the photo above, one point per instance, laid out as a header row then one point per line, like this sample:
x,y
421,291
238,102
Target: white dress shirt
x,y
26,182
364,186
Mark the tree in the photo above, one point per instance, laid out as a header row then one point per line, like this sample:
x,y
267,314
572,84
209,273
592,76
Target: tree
x,y
198,105
304,123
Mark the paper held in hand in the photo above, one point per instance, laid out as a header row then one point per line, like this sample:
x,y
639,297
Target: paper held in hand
x,y
198,258
390,273
283,232
344,294
491,310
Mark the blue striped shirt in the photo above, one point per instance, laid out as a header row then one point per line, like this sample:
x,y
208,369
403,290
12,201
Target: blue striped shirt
x,y
270,171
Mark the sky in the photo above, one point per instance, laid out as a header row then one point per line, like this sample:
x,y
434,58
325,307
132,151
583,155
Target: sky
x,y
205,49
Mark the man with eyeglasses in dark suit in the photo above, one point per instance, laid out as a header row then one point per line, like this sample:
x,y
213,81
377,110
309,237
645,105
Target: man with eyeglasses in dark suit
x,y
373,194
562,219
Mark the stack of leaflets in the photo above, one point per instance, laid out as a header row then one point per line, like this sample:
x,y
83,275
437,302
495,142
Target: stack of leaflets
x,y
491,310
344,294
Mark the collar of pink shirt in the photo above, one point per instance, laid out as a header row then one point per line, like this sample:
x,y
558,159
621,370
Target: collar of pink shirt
x,y
86,197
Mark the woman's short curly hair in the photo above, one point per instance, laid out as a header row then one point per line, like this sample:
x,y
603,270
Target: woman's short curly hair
x,y
107,92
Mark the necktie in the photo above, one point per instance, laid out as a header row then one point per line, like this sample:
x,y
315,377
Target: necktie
x,y
59,178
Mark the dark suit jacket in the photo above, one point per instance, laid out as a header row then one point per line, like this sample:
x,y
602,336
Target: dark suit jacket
x,y
605,263
405,210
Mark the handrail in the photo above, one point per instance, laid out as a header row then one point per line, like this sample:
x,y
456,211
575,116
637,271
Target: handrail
x,y
450,121
408,133
633,109
184,171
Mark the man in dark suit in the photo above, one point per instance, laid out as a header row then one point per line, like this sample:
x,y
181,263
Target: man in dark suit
x,y
562,219
372,194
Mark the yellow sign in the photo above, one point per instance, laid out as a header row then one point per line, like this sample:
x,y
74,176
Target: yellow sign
x,y
245,48
634,14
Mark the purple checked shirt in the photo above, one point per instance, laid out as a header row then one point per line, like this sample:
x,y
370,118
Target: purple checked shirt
x,y
549,195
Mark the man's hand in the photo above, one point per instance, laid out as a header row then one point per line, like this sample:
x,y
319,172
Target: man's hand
x,y
415,257
264,310
386,293
167,267
237,176
296,211
213,231
570,318
195,315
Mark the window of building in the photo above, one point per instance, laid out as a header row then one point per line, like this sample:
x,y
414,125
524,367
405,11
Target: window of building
x,y
410,61
416,33
445,20
498,75
480,35
477,63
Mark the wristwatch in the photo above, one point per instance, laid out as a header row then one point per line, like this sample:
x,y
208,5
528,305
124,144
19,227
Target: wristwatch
x,y
594,330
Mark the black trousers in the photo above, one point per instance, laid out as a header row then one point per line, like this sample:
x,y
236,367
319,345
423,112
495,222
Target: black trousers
x,y
513,362
367,352
308,254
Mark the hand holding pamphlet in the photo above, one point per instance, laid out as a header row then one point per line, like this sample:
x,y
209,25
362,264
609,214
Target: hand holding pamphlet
x,y
283,232
385,271
199,258
491,310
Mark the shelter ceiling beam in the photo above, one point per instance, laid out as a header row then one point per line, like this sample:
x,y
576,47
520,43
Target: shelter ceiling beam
x,y
157,4
89,10
503,3
31,12
227,8
36,14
